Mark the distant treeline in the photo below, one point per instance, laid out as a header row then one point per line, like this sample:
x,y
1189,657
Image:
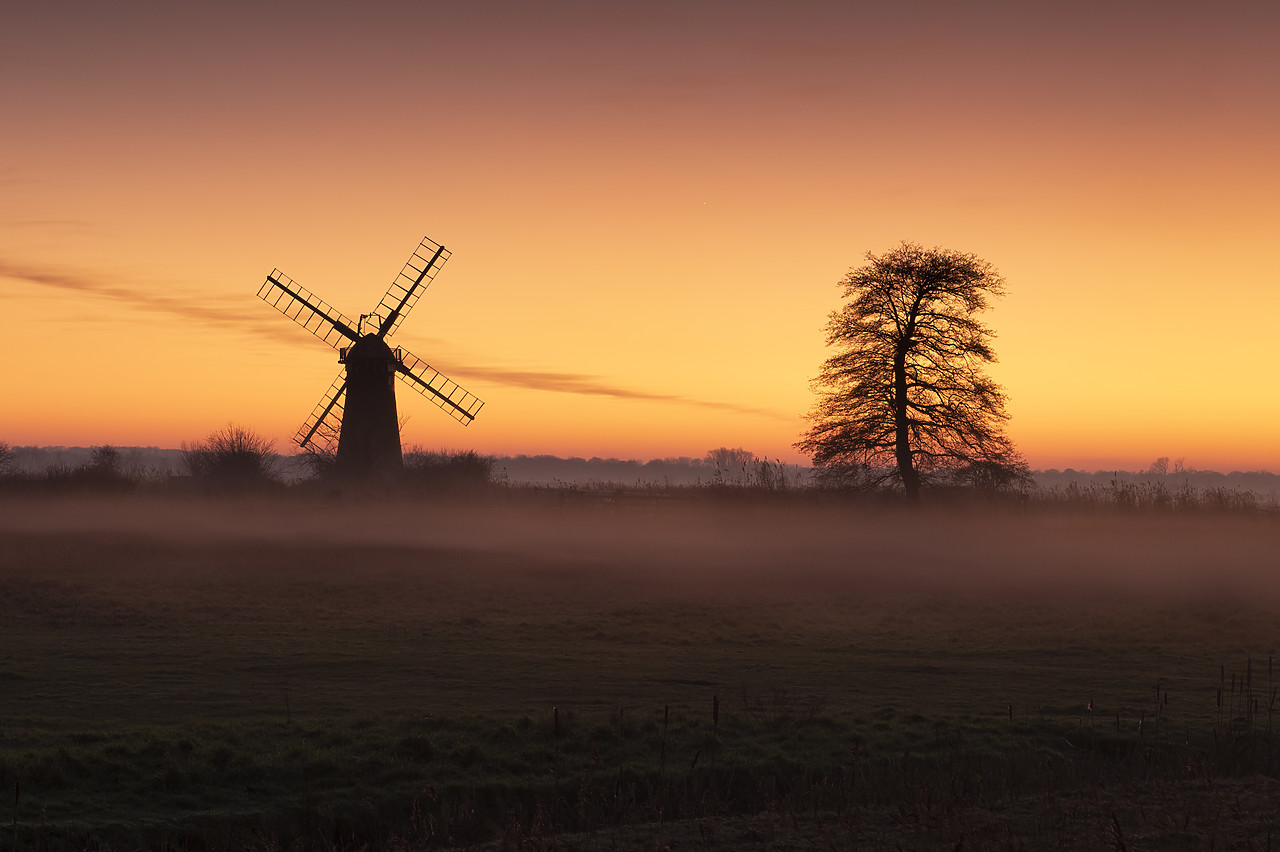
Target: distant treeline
x,y
734,467
138,462
722,466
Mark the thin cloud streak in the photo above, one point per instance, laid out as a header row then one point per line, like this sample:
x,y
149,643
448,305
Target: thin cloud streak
x,y
589,385
268,325
223,316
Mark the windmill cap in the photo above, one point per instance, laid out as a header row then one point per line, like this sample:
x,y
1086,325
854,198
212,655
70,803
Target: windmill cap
x,y
370,347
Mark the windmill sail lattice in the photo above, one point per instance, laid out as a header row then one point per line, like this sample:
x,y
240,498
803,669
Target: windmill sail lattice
x,y
322,428
356,417
299,305
439,388
404,292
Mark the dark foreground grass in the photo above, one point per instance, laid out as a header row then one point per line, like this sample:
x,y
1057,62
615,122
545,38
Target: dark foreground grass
x,y
296,675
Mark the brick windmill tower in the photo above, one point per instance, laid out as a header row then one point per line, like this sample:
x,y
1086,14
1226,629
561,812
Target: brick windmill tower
x,y
357,418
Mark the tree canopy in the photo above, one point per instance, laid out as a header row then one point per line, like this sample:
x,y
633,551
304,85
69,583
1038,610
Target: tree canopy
x,y
905,397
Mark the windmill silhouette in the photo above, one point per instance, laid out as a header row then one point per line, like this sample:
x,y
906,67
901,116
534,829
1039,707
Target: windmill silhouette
x,y
356,418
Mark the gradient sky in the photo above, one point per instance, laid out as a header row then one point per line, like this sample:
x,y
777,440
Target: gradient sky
x,y
649,206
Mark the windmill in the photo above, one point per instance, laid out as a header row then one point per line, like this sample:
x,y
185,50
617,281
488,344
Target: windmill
x,y
356,418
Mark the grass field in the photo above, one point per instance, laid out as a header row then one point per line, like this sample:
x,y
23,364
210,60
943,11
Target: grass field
x,y
298,673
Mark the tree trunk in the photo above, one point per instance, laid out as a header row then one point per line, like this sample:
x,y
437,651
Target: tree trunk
x,y
902,434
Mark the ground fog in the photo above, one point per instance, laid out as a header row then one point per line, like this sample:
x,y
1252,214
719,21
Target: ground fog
x,y
736,548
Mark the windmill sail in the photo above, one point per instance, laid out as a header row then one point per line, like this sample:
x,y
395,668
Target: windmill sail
x,y
314,314
404,292
320,432
456,401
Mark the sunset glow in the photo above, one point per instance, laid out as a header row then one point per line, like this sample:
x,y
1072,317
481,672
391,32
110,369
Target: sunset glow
x,y
648,208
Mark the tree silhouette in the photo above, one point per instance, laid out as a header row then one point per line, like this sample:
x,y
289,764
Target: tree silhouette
x,y
730,465
905,397
105,460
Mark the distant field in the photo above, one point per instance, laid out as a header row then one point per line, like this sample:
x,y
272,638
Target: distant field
x,y
706,674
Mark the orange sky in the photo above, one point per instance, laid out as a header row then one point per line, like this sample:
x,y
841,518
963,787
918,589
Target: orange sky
x,y
649,206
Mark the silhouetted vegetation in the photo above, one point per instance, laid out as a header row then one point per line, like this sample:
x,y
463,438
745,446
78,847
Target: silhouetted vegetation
x,y
741,469
318,463
448,471
234,458
721,472
905,400
718,467
1121,494
105,471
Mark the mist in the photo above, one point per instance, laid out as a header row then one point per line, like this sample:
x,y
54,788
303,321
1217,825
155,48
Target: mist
x,y
729,549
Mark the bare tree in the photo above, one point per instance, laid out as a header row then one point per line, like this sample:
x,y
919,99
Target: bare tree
x,y
6,457
730,465
105,470
105,460
905,398
319,459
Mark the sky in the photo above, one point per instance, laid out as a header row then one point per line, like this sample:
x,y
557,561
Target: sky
x,y
649,207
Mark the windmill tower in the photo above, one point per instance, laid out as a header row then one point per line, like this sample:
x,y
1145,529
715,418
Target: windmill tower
x,y
356,418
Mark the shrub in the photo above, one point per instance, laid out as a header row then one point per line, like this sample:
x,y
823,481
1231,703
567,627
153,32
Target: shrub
x,y
232,458
447,470
105,471
989,478
319,464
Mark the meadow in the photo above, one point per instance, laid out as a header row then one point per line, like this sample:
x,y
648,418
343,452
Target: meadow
x,y
534,670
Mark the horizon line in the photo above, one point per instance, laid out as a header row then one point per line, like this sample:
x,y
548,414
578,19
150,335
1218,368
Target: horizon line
x,y
642,461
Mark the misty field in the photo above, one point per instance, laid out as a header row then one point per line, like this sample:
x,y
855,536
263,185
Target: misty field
x,y
535,672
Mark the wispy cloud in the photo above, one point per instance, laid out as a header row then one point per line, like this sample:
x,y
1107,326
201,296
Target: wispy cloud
x,y
589,385
229,314
221,312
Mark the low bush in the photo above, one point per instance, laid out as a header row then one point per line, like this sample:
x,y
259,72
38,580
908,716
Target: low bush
x,y
234,458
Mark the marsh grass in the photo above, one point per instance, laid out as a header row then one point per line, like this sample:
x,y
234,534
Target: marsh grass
x,y
1156,495
231,687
